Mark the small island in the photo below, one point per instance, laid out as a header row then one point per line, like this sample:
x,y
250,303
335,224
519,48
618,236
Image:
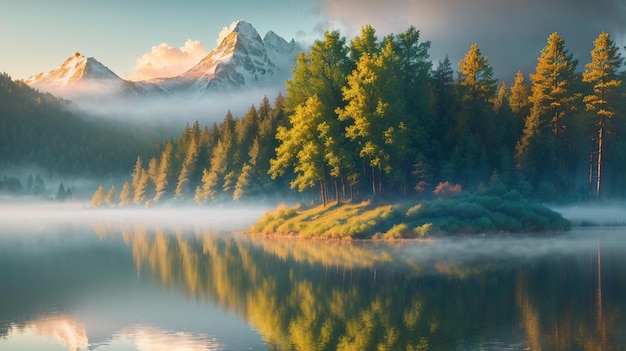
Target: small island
x,y
477,213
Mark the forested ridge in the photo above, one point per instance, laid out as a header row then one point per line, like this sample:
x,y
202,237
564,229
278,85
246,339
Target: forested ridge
x,y
376,118
39,130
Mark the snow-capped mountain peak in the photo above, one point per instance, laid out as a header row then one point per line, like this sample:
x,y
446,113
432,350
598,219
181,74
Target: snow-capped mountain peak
x,y
241,59
74,69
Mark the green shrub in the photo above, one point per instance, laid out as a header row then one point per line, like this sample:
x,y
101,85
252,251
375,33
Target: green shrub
x,y
398,231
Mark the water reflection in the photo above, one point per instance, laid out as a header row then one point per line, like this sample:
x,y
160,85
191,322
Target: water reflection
x,y
63,329
491,293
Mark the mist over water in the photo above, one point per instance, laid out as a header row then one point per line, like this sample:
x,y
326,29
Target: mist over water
x,y
161,278
598,214
33,216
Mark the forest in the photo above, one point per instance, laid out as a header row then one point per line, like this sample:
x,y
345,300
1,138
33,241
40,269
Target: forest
x,y
370,118
375,118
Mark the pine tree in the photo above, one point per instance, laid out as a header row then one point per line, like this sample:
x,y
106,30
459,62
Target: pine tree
x,y
541,152
110,196
139,182
61,195
446,108
98,197
519,97
601,72
163,172
125,195
186,168
244,183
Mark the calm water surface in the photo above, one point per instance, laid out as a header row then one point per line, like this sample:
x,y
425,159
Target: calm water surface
x,y
113,280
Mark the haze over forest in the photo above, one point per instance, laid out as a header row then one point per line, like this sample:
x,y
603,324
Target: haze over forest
x,y
370,116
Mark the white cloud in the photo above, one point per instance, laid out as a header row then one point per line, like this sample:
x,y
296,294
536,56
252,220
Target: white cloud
x,y
167,61
225,31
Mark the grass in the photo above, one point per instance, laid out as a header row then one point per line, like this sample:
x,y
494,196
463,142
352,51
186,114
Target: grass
x,y
464,214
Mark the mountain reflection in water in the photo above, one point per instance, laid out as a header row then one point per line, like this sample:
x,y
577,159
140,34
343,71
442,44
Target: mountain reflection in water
x,y
106,285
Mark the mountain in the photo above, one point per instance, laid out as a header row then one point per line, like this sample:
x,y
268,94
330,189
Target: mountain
x,y
81,76
241,60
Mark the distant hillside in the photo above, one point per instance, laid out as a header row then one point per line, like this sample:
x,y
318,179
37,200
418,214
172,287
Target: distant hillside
x,y
38,130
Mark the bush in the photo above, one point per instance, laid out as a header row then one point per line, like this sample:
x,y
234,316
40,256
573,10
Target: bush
x,y
398,231
446,189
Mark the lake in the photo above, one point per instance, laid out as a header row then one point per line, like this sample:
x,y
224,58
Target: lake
x,y
75,279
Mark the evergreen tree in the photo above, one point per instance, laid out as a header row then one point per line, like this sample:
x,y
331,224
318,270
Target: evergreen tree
x,y
365,44
446,108
374,111
301,148
519,104
139,182
244,183
61,195
98,197
186,168
476,90
541,152
601,72
519,97
125,195
110,196
162,176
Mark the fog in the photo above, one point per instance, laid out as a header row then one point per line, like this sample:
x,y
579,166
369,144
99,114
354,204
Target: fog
x,y
174,111
600,214
29,216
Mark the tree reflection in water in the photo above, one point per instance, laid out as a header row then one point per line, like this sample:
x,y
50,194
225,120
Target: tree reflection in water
x,y
309,295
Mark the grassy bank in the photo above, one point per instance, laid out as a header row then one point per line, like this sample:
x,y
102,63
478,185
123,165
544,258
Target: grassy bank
x,y
464,214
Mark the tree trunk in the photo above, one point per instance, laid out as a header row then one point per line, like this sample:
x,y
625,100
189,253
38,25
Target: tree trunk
x,y
600,132
373,181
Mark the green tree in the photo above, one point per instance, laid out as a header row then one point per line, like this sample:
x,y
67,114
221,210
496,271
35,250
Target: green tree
x,y
217,177
301,148
323,73
519,104
519,97
375,113
541,151
365,44
446,109
601,72
61,194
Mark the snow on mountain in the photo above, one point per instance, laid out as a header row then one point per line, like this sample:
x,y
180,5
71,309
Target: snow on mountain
x,y
76,68
79,76
241,60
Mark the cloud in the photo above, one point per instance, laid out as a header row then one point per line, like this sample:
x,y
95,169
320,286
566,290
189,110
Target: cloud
x,y
225,31
510,32
167,61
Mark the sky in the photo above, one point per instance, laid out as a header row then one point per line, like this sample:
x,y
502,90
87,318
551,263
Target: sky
x,y
140,39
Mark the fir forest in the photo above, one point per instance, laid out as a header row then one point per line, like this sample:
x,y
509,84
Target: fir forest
x,y
371,119
376,119
379,200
